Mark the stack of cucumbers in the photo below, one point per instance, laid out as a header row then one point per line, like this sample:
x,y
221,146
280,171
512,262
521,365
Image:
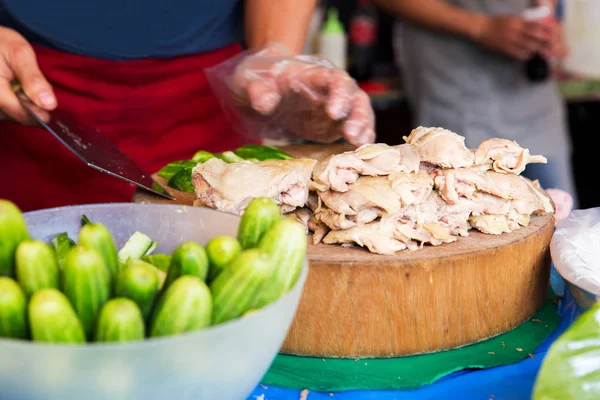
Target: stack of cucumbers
x,y
88,290
179,173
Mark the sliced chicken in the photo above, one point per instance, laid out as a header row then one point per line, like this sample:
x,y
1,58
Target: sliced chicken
x,y
336,172
302,215
492,224
412,188
378,237
505,156
230,187
368,192
334,220
311,224
440,147
454,184
432,233
410,161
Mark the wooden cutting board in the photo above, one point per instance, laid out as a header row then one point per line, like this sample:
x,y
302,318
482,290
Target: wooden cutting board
x,y
359,304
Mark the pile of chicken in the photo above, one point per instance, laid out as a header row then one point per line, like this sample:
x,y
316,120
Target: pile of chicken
x,y
431,190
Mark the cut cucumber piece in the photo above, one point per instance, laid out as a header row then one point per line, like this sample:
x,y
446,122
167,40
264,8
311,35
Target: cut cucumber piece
x,y
136,247
152,247
230,157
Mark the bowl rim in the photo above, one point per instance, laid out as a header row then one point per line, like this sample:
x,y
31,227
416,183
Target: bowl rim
x,y
157,341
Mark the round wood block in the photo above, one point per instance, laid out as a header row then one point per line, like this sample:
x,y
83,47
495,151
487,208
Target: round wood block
x,y
358,304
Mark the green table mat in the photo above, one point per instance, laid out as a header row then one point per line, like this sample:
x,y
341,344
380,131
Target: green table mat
x,y
336,375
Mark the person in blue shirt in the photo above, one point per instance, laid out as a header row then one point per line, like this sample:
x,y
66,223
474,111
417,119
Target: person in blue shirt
x,y
161,80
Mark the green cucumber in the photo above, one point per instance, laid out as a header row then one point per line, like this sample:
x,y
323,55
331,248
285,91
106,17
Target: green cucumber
x,y
135,247
260,214
221,250
160,261
261,153
185,306
189,258
87,284
171,169
61,243
85,220
138,281
230,157
201,156
98,237
52,318
13,310
120,320
37,267
236,288
286,243
13,230
182,181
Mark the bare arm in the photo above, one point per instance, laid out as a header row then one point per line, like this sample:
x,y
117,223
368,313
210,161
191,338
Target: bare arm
x,y
508,34
281,21
437,15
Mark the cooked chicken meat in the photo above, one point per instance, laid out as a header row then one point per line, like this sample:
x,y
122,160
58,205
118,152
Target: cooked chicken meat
x,y
505,156
310,222
440,147
431,190
230,187
378,237
336,172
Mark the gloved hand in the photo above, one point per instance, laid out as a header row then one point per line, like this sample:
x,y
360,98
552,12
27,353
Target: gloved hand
x,y
271,93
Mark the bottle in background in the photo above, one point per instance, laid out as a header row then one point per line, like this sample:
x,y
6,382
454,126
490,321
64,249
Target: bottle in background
x,y
537,69
362,40
332,40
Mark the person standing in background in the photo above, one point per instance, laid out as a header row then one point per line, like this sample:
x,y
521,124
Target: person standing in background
x,y
463,68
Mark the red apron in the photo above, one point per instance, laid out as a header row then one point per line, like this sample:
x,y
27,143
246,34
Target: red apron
x,y
154,110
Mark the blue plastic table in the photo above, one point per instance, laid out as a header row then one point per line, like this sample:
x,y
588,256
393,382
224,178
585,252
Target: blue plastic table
x,y
510,382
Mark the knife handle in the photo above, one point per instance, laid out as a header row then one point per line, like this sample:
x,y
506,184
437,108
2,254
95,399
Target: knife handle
x,y
18,89
16,86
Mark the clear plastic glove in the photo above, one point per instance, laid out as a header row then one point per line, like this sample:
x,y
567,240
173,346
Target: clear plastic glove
x,y
273,94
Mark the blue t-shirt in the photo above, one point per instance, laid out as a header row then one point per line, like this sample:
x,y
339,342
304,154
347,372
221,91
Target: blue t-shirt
x,y
126,29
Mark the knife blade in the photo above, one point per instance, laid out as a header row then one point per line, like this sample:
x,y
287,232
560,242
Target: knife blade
x,y
93,148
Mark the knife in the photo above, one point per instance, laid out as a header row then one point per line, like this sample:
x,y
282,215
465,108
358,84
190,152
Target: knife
x,y
93,148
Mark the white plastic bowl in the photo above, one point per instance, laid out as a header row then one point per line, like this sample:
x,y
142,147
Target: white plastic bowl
x,y
575,249
218,363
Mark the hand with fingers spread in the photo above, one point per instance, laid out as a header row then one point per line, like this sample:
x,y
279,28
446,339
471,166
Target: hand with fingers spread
x,y
279,94
514,36
18,62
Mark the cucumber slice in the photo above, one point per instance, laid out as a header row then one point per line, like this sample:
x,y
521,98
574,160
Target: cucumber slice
x,y
136,247
201,156
230,157
182,181
152,247
171,169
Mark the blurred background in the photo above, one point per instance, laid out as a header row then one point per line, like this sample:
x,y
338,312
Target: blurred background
x,y
360,36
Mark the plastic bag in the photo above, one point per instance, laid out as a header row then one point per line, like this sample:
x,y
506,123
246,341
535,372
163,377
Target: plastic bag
x,y
575,249
273,94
